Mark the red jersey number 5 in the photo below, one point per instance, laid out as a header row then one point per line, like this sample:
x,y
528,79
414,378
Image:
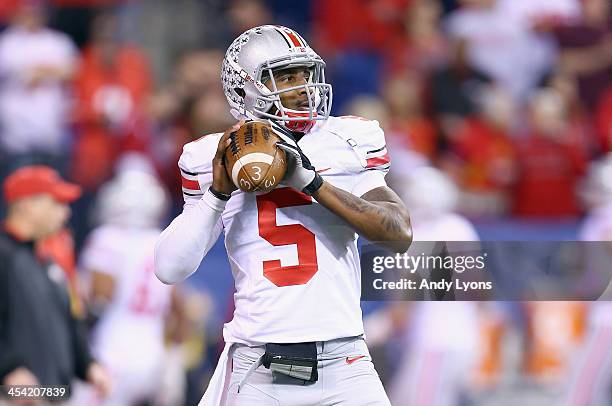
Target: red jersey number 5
x,y
288,234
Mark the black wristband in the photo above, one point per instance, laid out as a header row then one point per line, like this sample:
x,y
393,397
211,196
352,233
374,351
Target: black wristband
x,y
313,186
219,195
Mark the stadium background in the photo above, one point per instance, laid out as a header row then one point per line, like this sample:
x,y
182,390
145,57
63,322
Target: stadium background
x,y
487,91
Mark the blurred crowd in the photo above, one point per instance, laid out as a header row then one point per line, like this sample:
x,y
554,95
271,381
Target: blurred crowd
x,y
507,104
512,99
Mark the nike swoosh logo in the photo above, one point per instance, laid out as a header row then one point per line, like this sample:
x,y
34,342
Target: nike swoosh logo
x,y
350,360
323,170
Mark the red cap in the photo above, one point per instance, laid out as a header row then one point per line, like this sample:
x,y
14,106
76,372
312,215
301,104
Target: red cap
x,y
39,179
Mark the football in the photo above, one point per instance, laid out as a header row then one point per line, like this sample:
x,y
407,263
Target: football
x,y
252,160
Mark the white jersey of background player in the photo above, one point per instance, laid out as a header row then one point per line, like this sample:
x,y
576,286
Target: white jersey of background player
x,y
442,336
132,305
292,251
591,377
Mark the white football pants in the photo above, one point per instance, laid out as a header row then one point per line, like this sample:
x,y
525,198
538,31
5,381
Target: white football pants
x,y
346,377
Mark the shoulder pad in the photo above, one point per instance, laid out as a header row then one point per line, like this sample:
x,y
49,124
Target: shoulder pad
x,y
365,137
197,155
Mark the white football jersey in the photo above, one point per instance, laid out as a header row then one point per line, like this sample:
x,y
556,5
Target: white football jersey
x,y
444,325
130,333
295,263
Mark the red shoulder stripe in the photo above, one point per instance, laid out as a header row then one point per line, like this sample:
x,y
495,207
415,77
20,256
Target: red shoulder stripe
x,y
379,160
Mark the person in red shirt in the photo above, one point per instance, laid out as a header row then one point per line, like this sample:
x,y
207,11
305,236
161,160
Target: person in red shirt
x,y
112,84
603,120
481,155
420,45
357,25
408,124
551,160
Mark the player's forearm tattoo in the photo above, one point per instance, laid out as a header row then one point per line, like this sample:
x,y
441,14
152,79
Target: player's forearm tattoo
x,y
393,223
349,201
390,221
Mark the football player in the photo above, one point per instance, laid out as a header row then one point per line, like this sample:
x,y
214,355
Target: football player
x,y
293,251
591,375
437,367
132,307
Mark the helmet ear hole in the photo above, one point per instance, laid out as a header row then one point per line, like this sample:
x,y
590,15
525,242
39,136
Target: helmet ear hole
x,y
240,92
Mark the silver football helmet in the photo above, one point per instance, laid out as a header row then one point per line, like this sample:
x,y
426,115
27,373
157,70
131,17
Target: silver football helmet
x,y
428,192
134,198
254,55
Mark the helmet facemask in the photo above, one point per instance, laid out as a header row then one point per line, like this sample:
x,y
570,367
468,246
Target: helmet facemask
x,y
318,94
